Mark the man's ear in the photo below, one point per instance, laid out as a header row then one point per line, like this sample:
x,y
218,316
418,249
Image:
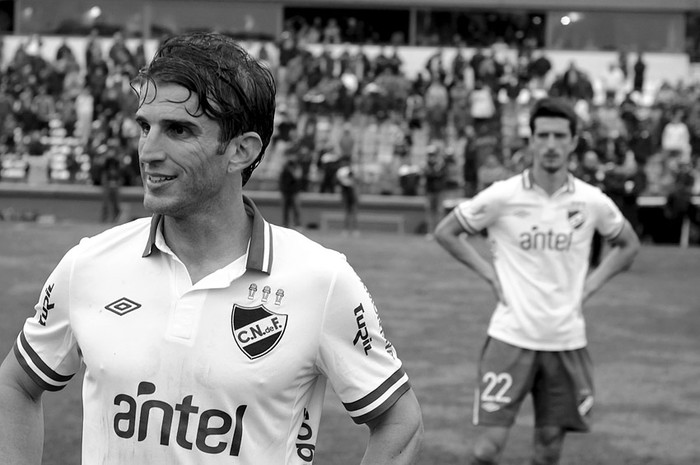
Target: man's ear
x,y
243,150
574,142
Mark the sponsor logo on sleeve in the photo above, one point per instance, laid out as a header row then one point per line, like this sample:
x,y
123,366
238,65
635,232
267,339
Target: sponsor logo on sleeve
x,y
362,336
46,305
306,445
256,329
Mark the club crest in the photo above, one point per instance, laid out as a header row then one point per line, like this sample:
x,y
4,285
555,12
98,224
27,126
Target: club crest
x,y
256,329
576,218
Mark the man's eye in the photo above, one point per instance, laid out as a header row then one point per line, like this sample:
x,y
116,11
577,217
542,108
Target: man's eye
x,y
179,130
144,128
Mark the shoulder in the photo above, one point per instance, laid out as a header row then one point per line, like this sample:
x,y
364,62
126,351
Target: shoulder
x,y
294,251
133,234
589,191
504,190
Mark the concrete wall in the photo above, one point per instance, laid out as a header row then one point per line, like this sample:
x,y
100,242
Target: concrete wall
x,y
61,202
388,214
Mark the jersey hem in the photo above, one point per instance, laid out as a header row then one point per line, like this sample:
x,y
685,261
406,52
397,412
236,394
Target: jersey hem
x,y
530,345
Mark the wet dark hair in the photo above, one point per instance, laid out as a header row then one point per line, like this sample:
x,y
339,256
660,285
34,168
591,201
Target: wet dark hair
x,y
233,88
550,107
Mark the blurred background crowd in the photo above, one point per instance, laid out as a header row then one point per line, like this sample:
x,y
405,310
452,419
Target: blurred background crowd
x,y
447,130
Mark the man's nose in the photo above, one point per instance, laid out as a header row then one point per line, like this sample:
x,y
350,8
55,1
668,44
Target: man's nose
x,y
150,147
551,140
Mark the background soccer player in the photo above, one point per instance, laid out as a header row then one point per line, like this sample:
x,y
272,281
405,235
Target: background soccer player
x,y
540,224
212,345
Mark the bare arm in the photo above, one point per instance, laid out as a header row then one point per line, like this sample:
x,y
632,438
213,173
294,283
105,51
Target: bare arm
x,y
395,436
21,416
625,248
449,235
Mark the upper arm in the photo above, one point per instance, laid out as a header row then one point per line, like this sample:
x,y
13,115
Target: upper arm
x,y
14,378
626,238
405,411
396,435
449,226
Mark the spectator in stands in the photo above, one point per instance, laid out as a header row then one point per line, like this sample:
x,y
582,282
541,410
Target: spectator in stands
x,y
573,84
111,181
624,182
306,153
460,114
346,142
349,193
5,106
639,69
290,184
409,177
675,138
490,171
331,33
613,82
679,207
609,127
482,108
459,64
434,182
436,66
591,171
539,69
328,164
93,51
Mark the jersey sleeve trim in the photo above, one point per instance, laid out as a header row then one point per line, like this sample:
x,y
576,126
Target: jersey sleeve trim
x,y
378,401
35,367
612,237
465,224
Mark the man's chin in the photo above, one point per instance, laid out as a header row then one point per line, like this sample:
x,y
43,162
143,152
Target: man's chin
x,y
551,169
155,206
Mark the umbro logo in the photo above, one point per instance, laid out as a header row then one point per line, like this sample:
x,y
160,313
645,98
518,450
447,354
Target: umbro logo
x,y
122,306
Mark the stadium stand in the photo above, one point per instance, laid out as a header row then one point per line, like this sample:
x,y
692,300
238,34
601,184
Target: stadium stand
x,y
66,106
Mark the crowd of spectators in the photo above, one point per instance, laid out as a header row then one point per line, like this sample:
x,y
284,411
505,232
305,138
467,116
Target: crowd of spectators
x,y
80,116
347,107
473,109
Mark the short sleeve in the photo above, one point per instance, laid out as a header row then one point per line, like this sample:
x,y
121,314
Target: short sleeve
x,y
46,347
609,219
481,211
356,357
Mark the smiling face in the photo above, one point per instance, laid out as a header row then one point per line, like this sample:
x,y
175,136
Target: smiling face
x,y
182,169
552,142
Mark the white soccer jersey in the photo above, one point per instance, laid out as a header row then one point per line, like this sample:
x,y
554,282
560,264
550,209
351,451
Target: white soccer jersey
x,y
229,370
540,247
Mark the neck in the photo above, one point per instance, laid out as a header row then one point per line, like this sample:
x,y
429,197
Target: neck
x,y
206,242
550,181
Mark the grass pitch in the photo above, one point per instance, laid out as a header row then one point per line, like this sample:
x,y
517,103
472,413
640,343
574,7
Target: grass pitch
x,y
643,330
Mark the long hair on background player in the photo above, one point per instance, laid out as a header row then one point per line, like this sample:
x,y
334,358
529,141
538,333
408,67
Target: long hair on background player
x,y
233,88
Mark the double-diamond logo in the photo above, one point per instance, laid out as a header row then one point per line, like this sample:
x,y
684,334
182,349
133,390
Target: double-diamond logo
x,y
122,306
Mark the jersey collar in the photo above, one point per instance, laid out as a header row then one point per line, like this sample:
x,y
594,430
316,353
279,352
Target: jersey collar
x,y
529,184
259,247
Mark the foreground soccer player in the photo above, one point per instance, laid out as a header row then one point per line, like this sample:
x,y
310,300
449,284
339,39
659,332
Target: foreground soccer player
x,y
540,224
207,334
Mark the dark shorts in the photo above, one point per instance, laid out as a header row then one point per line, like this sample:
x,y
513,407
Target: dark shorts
x,y
561,384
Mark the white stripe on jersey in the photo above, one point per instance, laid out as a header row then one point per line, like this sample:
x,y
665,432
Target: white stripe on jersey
x,y
50,383
401,382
